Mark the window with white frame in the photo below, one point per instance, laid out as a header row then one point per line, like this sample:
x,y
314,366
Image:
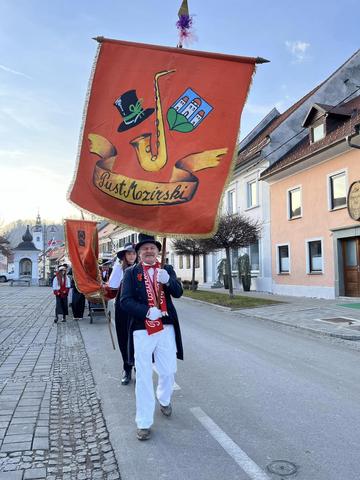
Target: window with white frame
x,y
315,256
181,262
294,201
254,256
337,188
234,256
283,259
188,262
318,132
197,261
231,207
252,194
172,259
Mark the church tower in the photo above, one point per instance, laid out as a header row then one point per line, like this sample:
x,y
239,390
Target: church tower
x,y
38,234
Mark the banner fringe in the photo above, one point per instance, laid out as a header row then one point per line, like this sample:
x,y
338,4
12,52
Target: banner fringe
x,y
100,218
87,97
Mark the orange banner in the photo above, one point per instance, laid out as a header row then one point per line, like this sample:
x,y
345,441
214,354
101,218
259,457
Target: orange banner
x,y
83,250
159,136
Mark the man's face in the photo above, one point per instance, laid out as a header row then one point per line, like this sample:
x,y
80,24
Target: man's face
x,y
148,253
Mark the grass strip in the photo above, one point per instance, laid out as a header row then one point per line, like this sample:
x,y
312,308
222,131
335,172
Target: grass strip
x,y
223,299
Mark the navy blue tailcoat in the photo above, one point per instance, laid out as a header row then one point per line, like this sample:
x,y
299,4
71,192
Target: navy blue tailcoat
x,y
134,301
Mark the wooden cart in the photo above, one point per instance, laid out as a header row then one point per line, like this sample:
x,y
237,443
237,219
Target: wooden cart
x,y
96,307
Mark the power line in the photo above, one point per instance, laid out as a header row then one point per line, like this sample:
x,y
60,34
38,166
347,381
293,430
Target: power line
x,y
302,129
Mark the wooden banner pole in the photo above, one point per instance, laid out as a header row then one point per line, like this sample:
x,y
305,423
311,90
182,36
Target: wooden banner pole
x,y
163,252
108,318
163,259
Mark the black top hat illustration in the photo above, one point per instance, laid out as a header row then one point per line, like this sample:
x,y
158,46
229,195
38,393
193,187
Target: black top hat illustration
x,y
144,238
131,110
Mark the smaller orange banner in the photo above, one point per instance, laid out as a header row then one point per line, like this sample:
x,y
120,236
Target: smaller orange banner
x,y
83,249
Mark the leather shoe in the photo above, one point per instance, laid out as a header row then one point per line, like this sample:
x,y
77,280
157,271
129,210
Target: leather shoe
x,y
167,411
126,378
143,434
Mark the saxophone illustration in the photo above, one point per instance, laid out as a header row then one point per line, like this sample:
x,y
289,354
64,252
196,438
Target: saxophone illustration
x,y
148,160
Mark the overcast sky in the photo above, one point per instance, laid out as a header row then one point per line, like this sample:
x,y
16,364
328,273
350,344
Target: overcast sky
x,y
46,55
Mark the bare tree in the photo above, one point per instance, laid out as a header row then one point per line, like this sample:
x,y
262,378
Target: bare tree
x,y
193,247
234,231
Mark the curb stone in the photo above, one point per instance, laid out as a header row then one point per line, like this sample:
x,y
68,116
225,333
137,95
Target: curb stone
x,y
247,313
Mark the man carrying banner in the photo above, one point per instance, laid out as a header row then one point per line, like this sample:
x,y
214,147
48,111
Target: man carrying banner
x,y
154,330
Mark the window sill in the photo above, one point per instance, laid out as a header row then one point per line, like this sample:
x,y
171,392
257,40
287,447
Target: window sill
x,y
315,273
251,208
284,273
337,208
294,218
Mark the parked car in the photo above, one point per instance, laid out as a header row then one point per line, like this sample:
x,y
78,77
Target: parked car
x,y
6,276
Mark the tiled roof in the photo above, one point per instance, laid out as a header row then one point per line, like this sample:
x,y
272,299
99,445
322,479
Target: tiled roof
x,y
304,148
339,110
107,230
57,252
253,149
259,142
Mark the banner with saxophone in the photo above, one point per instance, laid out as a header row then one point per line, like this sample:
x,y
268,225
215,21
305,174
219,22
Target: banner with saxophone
x,y
160,163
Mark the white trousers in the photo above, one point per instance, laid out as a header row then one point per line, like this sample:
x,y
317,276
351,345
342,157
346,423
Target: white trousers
x,y
162,344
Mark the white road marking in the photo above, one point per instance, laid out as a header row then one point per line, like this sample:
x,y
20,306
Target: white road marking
x,y
240,457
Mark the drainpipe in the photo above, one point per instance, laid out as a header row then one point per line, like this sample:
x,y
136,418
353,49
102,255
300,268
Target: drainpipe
x,y
349,137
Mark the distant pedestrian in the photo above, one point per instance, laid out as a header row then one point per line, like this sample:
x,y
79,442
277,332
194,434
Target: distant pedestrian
x,y
104,272
126,258
77,299
61,286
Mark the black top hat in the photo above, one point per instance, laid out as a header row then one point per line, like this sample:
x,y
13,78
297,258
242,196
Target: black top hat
x,y
128,247
131,110
143,238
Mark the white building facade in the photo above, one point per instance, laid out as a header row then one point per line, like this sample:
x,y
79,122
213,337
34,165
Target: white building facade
x,y
26,257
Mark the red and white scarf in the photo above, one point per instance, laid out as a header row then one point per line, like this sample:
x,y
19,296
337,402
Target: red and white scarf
x,y
63,290
152,292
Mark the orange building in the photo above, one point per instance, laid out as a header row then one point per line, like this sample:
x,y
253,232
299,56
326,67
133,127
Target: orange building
x,y
315,242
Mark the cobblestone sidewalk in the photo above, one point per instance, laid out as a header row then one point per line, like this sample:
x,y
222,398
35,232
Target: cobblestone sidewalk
x,y
51,423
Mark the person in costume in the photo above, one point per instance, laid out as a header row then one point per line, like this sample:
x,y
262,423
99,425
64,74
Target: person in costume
x,y
61,287
125,258
104,271
154,330
78,299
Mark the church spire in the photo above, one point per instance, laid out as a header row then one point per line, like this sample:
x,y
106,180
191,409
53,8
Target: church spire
x,y
38,226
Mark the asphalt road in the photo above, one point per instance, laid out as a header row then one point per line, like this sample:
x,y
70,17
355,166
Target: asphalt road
x,y
249,393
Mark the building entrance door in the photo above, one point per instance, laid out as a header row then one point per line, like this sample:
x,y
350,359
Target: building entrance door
x,y
351,255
